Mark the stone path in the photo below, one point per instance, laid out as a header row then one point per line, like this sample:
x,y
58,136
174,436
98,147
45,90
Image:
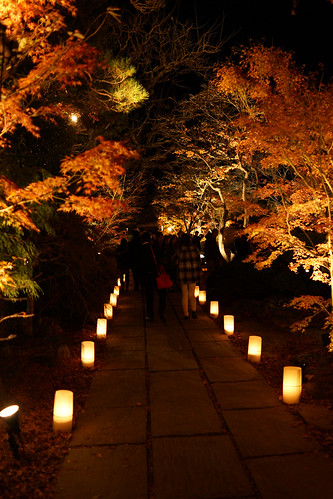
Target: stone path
x,y
177,413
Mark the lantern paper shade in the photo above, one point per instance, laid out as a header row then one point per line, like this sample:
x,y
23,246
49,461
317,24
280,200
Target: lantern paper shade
x,y
214,308
229,324
113,299
254,348
87,353
196,292
108,310
116,290
119,282
101,328
292,384
202,296
63,410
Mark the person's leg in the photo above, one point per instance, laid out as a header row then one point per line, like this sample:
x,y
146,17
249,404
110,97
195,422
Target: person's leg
x,y
191,297
184,288
161,303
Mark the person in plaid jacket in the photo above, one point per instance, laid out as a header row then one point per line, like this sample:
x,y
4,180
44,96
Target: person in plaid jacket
x,y
189,269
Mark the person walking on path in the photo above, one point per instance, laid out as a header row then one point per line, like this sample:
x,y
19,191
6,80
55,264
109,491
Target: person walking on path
x,y
189,268
160,259
123,262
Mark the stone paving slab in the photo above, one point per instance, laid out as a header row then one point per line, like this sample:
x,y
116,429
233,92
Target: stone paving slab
x,y
171,360
180,405
125,343
99,472
203,335
124,331
117,389
198,467
167,341
214,349
109,426
298,476
124,359
229,369
245,395
264,432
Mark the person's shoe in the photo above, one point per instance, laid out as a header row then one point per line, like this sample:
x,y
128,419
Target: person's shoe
x,y
194,315
186,317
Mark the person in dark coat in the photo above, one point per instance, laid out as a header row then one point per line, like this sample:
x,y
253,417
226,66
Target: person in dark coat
x,y
189,270
148,271
134,247
123,262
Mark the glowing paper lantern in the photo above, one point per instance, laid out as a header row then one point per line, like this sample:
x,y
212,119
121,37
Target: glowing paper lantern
x,y
87,353
229,324
202,296
196,292
108,310
119,282
101,328
124,277
254,348
9,411
214,308
63,410
113,299
116,290
292,384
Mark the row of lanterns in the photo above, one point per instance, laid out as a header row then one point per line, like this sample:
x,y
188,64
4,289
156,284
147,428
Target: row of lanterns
x,y
64,399
292,375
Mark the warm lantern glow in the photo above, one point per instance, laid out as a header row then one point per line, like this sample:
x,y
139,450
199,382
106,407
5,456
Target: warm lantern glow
x,y
87,353
202,296
254,348
196,291
292,384
124,277
116,290
113,299
63,410
101,328
229,324
9,411
108,310
214,308
119,282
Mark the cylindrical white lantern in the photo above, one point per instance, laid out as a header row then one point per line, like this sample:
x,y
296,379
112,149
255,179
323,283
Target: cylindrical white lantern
x,y
202,296
119,282
196,291
292,384
101,328
124,277
254,348
214,308
113,299
9,411
87,353
63,410
229,324
116,290
108,310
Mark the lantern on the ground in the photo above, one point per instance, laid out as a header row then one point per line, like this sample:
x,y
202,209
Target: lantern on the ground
x,y
108,310
87,353
214,309
202,296
196,291
254,348
229,324
101,328
119,282
292,384
116,290
63,410
113,299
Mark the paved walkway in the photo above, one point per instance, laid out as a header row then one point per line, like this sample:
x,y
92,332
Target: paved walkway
x,y
177,413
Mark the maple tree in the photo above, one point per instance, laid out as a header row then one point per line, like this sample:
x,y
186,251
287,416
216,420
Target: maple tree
x,y
43,65
286,115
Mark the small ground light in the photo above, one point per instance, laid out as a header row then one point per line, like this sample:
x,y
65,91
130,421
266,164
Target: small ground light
x,y
74,117
108,310
87,353
113,299
116,290
214,309
202,296
229,326
292,384
196,291
63,410
101,328
10,415
254,348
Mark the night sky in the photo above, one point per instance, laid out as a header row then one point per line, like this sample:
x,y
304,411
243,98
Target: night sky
x,y
308,32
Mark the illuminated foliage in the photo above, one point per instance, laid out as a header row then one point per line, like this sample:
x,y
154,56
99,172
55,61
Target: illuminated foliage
x,y
287,117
